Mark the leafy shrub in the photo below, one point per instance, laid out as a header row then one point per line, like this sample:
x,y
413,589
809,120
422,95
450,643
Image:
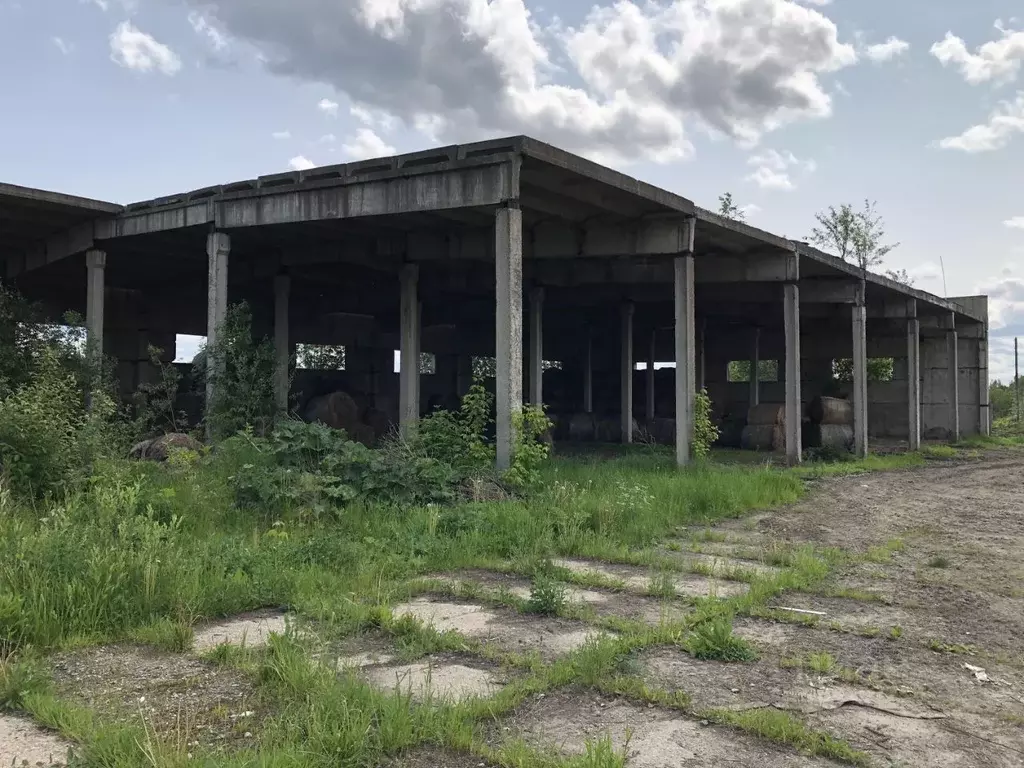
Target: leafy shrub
x,y
155,411
38,428
243,380
547,595
714,639
705,433
315,470
531,450
458,438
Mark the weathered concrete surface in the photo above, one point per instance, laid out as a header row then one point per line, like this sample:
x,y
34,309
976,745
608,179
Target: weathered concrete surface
x,y
791,315
508,265
22,742
436,680
252,631
642,580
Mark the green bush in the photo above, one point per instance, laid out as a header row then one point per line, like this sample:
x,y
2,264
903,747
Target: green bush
x,y
459,438
39,425
312,470
714,639
244,380
705,433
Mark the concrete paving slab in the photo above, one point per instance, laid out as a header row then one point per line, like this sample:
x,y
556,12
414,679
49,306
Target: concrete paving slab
x,y
22,742
250,630
424,680
636,579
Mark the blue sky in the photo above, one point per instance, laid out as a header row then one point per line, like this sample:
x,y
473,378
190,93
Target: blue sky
x,y
790,106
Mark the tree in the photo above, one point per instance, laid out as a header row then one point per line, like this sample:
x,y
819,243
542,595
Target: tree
x,y
855,236
320,357
900,276
729,209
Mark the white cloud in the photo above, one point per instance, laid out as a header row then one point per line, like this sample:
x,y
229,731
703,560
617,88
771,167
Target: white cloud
x,y
328,107
134,49
373,118
103,5
327,138
1006,120
890,49
750,209
301,163
630,81
281,135
62,45
217,39
997,60
1017,222
772,169
365,144
928,272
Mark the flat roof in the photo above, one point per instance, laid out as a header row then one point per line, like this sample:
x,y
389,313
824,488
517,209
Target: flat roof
x,y
549,177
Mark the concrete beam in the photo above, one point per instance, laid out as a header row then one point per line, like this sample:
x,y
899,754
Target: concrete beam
x,y
555,239
282,341
508,266
464,187
779,266
791,321
409,366
626,374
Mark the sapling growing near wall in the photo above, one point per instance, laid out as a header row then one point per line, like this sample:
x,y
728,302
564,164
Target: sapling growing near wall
x,y
705,432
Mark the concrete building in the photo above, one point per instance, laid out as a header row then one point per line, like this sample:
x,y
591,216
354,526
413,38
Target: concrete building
x,y
444,251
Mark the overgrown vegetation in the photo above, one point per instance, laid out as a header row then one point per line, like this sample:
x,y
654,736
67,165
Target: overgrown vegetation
x,y
705,431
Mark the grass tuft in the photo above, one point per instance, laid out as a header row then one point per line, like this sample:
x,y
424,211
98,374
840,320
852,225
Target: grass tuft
x,y
714,639
784,728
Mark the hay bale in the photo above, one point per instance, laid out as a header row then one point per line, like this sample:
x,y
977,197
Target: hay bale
x,y
337,410
832,411
837,437
663,430
582,427
763,437
766,414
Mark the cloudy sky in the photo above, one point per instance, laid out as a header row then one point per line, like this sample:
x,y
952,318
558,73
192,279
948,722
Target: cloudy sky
x,y
791,106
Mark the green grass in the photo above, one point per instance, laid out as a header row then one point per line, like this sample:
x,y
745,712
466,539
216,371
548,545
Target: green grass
x,y
784,728
939,561
939,452
145,552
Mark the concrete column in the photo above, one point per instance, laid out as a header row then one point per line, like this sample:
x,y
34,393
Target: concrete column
x,y
588,375
755,365
953,357
984,408
651,352
537,346
685,341
860,375
914,382
626,373
791,317
282,341
508,266
218,248
95,286
409,357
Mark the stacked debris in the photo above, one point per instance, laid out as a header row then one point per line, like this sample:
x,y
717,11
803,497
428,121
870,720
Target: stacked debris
x,y
831,425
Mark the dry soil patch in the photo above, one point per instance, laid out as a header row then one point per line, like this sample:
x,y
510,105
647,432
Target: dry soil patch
x,y
24,742
432,757
568,720
174,693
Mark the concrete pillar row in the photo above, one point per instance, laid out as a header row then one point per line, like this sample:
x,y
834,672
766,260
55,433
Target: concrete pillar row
x,y
685,343
914,383
954,385
537,346
508,266
282,341
755,366
860,374
651,358
95,286
218,249
626,374
409,363
791,322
